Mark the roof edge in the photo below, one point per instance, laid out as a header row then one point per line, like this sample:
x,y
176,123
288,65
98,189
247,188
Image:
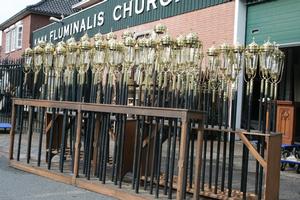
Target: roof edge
x,y
14,19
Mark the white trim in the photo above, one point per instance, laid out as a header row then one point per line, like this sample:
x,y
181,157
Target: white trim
x,y
72,15
291,44
239,36
84,4
138,34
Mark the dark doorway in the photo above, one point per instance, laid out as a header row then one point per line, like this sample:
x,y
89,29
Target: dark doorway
x,y
288,89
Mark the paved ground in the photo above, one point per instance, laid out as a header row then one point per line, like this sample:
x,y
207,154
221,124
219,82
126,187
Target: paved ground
x,y
16,185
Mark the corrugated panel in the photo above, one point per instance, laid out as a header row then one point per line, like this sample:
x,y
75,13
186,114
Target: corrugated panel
x,y
174,8
279,20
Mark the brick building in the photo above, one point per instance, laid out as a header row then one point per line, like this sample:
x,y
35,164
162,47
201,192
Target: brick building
x,y
215,21
17,30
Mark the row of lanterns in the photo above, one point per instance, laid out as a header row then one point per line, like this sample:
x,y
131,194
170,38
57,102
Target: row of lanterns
x,y
177,59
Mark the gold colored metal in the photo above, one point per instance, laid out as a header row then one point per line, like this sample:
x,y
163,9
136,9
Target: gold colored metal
x,y
28,59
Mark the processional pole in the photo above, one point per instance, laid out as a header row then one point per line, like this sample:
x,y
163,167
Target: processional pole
x,y
28,62
37,66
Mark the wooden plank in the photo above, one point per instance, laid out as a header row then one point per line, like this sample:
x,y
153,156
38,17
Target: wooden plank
x,y
12,132
109,108
253,151
41,172
182,161
50,124
223,129
77,144
272,172
198,163
81,183
109,190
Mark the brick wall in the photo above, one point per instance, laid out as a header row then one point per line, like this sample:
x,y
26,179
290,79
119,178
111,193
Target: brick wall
x,y
30,23
213,24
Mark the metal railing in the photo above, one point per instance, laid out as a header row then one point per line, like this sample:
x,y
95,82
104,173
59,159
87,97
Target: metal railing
x,y
10,82
134,153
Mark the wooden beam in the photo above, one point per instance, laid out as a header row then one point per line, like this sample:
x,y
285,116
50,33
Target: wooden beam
x,y
41,172
198,163
50,124
110,108
12,132
182,161
77,144
108,190
80,182
252,150
272,172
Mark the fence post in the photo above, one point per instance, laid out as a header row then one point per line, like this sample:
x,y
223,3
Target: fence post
x,y
272,174
77,144
182,161
12,131
198,162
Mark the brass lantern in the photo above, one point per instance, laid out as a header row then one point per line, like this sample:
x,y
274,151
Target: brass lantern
x,y
265,59
276,71
38,57
213,61
99,57
213,70
129,51
251,57
160,29
193,58
179,52
48,58
71,59
99,53
165,52
85,54
112,51
72,54
151,52
28,55
237,61
238,57
194,54
60,53
141,59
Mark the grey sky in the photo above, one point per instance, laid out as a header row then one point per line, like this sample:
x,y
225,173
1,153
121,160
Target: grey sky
x,y
12,7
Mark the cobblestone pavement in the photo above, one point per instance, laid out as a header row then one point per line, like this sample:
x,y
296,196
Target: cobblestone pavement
x,y
15,184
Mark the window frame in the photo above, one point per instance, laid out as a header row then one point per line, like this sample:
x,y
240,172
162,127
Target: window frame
x,y
7,41
19,36
13,39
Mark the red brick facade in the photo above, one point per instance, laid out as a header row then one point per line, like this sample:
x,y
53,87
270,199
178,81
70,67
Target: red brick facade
x,y
30,23
213,24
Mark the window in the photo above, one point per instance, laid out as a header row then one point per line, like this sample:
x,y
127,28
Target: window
x,y
19,37
14,37
7,42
